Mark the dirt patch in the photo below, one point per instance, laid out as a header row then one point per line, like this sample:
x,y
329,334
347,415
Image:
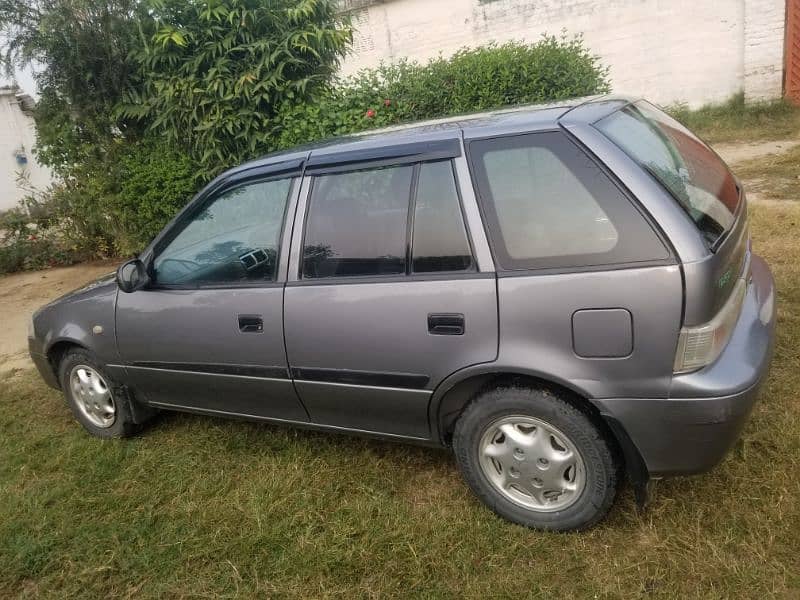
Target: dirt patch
x,y
746,151
23,293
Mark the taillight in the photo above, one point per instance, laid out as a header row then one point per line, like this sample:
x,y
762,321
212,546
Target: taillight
x,y
700,346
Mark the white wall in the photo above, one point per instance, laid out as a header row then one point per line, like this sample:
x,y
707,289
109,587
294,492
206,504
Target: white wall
x,y
695,51
17,132
765,28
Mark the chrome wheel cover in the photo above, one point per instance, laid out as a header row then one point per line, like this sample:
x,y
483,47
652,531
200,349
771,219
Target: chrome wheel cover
x,y
532,463
92,396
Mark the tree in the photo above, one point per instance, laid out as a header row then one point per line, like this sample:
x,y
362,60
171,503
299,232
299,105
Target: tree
x,y
216,72
81,50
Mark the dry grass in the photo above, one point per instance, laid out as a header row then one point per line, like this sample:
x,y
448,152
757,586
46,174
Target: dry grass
x,y
205,507
774,177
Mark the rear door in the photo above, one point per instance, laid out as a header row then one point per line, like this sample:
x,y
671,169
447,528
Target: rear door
x,y
384,298
207,334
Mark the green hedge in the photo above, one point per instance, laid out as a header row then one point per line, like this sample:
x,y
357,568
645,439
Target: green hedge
x,y
473,79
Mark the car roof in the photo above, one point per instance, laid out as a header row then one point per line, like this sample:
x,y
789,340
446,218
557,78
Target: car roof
x,y
476,125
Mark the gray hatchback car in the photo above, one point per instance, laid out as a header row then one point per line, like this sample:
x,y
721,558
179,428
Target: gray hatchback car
x,y
564,295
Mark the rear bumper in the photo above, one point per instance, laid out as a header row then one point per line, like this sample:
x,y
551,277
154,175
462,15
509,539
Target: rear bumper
x,y
693,429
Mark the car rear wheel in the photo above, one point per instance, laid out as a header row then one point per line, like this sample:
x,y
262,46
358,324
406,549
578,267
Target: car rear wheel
x,y
535,459
96,401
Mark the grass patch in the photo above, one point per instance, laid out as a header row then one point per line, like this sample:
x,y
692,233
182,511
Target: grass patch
x,y
206,507
776,176
734,120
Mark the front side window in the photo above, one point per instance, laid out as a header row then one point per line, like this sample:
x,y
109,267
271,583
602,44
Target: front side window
x,y
233,239
548,205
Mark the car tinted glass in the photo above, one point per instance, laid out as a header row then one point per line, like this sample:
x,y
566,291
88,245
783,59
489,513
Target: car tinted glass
x,y
356,224
549,205
235,238
439,240
697,178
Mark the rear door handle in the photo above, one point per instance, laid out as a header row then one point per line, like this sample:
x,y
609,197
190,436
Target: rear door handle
x,y
251,324
446,323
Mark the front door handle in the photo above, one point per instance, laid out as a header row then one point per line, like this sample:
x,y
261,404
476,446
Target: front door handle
x,y
251,324
446,324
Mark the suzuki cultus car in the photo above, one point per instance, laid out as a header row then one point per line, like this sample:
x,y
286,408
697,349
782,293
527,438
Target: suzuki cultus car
x,y
564,295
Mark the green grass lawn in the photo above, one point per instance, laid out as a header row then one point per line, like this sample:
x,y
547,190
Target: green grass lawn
x,y
735,121
204,507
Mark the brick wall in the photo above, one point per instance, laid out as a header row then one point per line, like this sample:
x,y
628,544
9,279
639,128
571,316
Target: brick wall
x,y
693,51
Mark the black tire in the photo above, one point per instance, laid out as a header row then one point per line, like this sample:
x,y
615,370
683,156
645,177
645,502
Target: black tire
x,y
600,467
123,424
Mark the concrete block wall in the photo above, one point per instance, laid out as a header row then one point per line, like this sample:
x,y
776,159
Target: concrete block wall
x,y
693,51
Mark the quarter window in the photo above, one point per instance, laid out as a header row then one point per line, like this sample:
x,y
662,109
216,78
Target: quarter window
x,y
548,205
440,240
234,239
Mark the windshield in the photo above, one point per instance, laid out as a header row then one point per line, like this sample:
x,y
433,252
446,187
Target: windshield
x,y
681,162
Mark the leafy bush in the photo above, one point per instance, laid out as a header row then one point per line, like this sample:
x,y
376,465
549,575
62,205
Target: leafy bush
x,y
28,238
155,182
112,206
115,205
473,79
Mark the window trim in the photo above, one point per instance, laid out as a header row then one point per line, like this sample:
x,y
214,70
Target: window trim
x,y
197,207
383,156
409,275
578,266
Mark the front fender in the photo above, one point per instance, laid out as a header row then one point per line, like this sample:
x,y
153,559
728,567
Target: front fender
x,y
84,318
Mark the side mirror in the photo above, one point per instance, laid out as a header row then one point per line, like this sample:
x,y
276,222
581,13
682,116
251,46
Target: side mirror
x,y
132,276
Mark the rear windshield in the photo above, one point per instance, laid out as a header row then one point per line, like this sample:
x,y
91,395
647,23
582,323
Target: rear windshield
x,y
682,163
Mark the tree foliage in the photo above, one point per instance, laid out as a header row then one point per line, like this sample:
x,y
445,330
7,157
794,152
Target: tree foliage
x,y
80,50
215,72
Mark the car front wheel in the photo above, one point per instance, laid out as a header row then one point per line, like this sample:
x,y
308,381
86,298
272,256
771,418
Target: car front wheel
x,y
96,401
536,459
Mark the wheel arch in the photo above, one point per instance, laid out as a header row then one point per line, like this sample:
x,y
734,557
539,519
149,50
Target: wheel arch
x,y
56,351
453,394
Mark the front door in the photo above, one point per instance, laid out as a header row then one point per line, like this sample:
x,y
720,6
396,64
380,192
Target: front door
x,y
388,300
207,334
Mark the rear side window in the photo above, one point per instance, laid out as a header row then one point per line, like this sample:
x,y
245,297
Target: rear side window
x,y
385,221
548,205
357,223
